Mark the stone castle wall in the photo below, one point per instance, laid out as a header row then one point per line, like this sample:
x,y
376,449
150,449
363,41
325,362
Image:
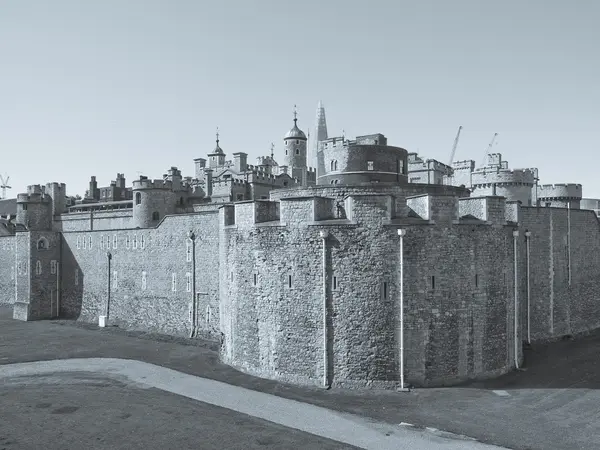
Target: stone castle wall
x,y
458,311
94,220
159,252
563,242
7,269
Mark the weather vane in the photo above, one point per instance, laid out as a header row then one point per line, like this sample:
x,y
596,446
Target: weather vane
x,y
295,113
272,150
217,134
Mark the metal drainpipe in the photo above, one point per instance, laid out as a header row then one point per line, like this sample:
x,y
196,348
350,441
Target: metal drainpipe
x,y
528,240
569,238
109,257
515,236
192,238
324,236
401,233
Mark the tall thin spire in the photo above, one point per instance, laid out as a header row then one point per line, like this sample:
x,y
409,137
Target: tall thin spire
x,y
295,115
320,133
217,136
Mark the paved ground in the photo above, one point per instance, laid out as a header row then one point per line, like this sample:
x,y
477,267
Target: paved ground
x,y
143,424
69,411
553,405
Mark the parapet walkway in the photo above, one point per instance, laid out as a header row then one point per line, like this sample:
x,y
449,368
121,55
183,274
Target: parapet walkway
x,y
341,427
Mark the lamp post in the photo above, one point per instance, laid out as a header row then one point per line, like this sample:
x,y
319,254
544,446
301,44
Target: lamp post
x,y
402,233
324,235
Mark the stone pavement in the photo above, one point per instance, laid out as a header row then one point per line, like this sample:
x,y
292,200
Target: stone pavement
x,y
553,405
345,428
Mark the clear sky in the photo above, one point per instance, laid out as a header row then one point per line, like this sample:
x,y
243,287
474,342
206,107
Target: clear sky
x,y
137,86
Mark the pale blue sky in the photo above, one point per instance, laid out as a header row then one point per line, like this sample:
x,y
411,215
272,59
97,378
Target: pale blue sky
x,y
100,87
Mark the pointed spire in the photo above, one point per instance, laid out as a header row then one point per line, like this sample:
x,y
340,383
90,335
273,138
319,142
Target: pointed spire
x,y
272,150
218,148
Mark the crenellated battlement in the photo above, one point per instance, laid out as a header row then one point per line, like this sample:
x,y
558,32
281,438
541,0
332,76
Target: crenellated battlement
x,y
491,175
145,183
559,191
467,164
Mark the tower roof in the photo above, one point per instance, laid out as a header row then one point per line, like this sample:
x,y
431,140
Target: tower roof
x,y
295,132
218,149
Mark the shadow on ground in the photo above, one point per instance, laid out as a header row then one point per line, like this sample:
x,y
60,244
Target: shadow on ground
x,y
551,405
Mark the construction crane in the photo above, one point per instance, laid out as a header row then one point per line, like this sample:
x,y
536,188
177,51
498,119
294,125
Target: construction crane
x,y
487,151
4,185
453,152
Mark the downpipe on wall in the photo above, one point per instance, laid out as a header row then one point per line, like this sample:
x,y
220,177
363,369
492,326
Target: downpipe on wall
x,y
109,257
326,383
516,293
528,242
193,325
402,233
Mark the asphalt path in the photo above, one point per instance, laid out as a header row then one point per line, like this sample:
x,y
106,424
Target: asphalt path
x,y
554,405
268,420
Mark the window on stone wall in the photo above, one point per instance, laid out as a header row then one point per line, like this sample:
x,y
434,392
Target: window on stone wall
x,y
255,279
143,281
38,267
239,197
102,242
369,165
208,313
188,251
432,282
90,241
24,206
53,267
42,244
142,241
289,281
138,198
107,242
155,215
334,283
115,281
77,277
297,151
134,241
127,242
84,243
476,280
115,240
188,282
174,282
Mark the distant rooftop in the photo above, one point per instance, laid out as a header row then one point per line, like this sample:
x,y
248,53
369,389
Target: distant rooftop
x,y
8,207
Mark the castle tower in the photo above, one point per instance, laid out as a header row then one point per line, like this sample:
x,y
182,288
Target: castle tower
x,y
34,209
152,200
320,134
295,144
217,157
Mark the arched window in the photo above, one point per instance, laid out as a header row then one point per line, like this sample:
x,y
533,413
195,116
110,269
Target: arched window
x,y
335,165
332,165
155,215
42,244
38,267
297,151
138,198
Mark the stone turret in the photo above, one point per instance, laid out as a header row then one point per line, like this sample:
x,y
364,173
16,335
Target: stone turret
x,y
34,209
295,143
152,200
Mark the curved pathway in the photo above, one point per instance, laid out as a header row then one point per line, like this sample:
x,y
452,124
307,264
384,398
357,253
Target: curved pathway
x,y
346,428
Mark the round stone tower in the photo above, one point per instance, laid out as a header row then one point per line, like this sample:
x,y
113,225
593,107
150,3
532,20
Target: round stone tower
x,y
152,200
295,143
34,209
560,195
